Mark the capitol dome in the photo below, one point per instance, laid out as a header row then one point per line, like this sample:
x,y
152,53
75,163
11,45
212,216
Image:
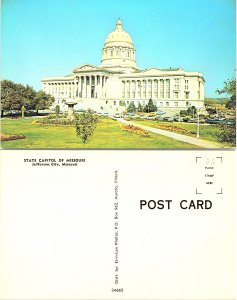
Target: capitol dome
x,y
118,50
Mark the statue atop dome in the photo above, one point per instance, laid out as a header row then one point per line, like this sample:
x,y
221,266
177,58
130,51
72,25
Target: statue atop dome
x,y
119,25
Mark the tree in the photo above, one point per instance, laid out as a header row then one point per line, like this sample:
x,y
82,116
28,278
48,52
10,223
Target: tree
x,y
192,111
228,132
12,95
85,124
57,110
150,107
122,103
15,95
140,107
131,107
43,100
229,89
28,95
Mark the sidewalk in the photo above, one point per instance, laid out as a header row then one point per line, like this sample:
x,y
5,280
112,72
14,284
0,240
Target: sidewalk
x,y
176,136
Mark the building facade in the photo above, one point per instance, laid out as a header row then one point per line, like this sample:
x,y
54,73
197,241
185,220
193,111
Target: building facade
x,y
117,81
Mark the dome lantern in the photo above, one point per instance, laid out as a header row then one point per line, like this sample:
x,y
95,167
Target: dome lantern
x,y
119,25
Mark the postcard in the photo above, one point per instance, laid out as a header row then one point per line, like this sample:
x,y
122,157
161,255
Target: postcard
x,y
118,138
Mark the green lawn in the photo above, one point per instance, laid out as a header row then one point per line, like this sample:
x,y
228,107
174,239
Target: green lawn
x,y
108,134
206,132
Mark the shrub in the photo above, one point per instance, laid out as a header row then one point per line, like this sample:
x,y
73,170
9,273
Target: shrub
x,y
57,110
10,137
227,133
183,113
85,124
52,121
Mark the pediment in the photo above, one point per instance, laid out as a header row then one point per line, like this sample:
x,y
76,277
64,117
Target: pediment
x,y
152,71
86,67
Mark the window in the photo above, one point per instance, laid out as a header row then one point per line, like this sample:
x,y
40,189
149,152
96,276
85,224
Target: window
x,y
186,84
186,95
176,104
139,88
111,53
167,88
117,52
176,95
167,104
161,104
114,102
176,83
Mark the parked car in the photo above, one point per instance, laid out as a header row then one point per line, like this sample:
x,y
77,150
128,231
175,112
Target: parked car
x,y
178,119
186,119
151,118
159,118
215,121
229,122
117,115
168,119
201,121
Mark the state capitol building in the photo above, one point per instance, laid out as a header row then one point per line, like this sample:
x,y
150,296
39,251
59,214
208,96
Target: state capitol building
x,y
117,81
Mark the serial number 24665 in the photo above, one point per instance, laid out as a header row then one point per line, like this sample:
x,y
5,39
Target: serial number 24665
x,y
117,290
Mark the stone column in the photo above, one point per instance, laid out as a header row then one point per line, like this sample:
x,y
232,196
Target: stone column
x,y
125,89
158,92
152,89
136,89
146,82
103,85
79,89
67,93
130,88
95,88
64,90
55,90
105,91
84,88
164,88
90,84
98,86
75,88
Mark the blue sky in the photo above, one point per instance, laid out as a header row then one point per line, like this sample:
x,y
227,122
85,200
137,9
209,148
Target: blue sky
x,y
43,38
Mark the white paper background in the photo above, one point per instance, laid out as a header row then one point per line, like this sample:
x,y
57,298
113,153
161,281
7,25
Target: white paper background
x,y
57,232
